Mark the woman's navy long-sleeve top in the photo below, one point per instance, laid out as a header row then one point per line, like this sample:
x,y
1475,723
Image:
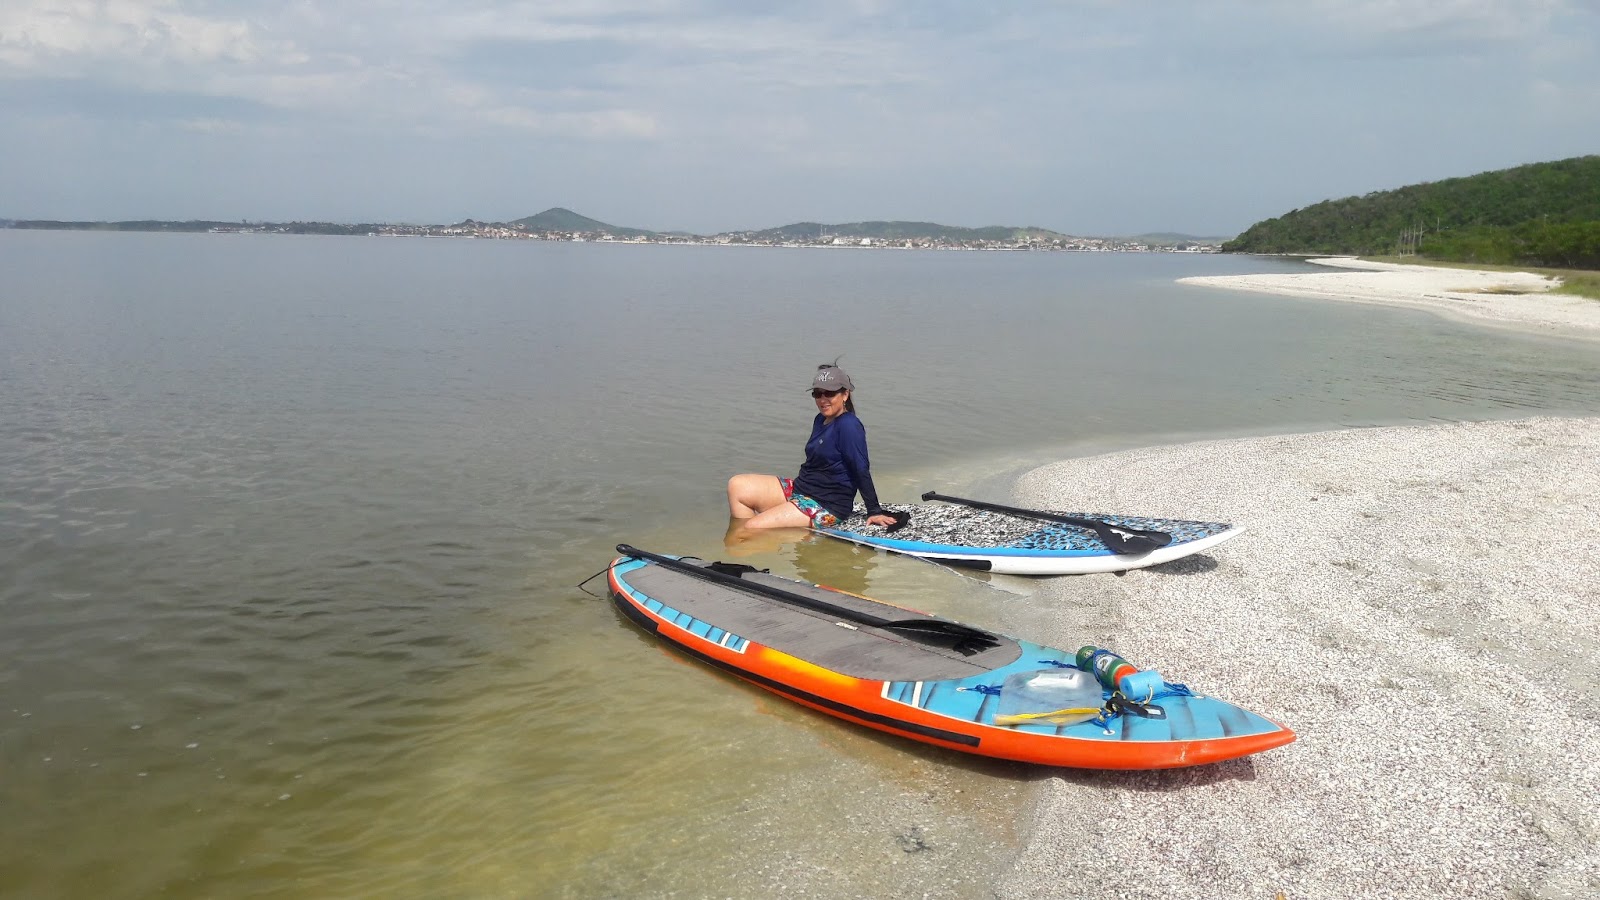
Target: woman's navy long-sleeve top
x,y
836,466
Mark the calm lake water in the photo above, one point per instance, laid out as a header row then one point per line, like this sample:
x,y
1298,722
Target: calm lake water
x,y
291,529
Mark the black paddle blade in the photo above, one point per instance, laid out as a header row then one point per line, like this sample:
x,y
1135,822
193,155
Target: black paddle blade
x,y
961,638
737,570
1121,539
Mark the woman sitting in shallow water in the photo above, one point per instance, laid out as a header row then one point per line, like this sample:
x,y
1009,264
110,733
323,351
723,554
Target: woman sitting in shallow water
x,y
823,493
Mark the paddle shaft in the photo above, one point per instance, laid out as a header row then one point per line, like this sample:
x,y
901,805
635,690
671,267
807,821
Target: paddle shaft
x,y
752,587
1132,539
1013,510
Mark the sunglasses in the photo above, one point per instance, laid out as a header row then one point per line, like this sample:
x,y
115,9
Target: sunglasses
x,y
818,393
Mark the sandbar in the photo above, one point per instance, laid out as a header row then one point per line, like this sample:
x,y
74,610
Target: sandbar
x,y
1516,300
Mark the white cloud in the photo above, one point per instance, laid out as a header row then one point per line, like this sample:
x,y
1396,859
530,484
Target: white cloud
x,y
1020,99
1570,102
1486,20
211,126
61,35
408,64
599,125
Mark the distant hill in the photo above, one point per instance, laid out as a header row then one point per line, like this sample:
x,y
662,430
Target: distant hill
x,y
900,231
1524,214
558,219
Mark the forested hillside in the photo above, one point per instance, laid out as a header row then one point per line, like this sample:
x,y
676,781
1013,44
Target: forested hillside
x,y
1545,214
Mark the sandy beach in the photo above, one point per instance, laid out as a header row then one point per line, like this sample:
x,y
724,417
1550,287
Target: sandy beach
x,y
1516,300
1418,603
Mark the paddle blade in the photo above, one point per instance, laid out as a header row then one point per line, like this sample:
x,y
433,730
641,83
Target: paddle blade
x,y
1122,540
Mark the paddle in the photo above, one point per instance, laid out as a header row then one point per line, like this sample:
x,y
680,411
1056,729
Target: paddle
x,y
1120,539
961,638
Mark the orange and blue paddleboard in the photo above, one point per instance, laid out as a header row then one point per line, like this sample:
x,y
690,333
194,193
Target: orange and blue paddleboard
x,y
925,678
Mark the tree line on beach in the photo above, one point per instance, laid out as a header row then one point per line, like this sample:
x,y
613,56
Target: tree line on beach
x,y
1542,214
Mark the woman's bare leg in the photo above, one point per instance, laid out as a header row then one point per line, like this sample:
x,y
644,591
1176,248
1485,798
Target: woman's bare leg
x,y
759,501
751,495
784,515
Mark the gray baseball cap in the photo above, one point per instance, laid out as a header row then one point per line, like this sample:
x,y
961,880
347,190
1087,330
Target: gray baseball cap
x,y
831,378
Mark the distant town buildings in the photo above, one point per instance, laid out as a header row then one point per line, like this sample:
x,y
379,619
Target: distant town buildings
x,y
790,236
503,231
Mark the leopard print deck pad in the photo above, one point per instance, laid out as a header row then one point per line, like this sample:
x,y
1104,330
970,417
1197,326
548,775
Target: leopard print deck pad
x,y
963,526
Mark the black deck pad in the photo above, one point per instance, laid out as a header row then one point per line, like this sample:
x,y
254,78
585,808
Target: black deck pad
x,y
816,637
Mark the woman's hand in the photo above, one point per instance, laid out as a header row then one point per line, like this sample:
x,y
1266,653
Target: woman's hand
x,y
880,519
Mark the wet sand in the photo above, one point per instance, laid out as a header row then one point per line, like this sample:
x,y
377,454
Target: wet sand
x,y
1419,604
1516,300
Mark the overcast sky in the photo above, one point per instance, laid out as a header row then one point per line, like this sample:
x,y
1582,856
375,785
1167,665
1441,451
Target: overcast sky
x,y
1088,117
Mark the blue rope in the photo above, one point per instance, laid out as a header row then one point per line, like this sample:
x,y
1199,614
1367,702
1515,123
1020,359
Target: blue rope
x,y
1172,689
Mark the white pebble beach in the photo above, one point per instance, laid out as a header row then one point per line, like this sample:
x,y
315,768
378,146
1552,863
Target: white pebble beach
x,y
1421,605
1516,300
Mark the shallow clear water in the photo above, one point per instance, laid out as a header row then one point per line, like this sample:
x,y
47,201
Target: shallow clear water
x,y
290,530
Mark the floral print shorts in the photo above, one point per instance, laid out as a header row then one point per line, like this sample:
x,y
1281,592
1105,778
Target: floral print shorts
x,y
820,517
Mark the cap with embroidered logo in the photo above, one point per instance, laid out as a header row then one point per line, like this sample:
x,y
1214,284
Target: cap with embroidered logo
x,y
831,378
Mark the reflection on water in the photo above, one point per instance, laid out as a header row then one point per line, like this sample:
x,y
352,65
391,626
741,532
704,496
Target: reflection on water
x,y
814,558
742,540
290,531
837,564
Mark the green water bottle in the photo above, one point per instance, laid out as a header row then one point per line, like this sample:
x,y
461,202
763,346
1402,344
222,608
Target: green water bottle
x,y
1107,666
1086,653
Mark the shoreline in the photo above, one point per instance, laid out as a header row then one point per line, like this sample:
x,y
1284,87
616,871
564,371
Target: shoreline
x,y
1513,300
1417,602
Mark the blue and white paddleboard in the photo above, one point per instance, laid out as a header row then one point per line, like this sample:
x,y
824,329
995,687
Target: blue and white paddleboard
x,y
1014,541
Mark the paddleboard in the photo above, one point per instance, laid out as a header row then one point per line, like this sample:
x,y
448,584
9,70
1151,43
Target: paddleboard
x,y
1012,544
919,676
